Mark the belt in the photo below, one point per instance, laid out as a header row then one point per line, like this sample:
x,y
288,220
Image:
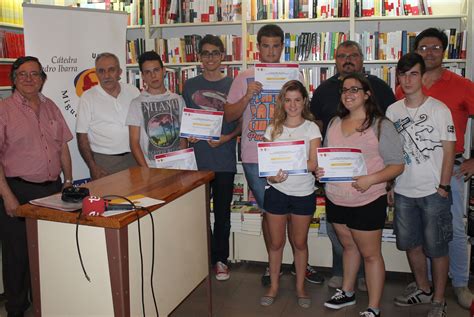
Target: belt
x,y
21,180
458,155
120,154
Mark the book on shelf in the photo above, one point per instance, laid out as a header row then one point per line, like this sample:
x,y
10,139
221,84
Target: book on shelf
x,y
11,11
12,45
5,74
195,11
297,9
369,8
134,49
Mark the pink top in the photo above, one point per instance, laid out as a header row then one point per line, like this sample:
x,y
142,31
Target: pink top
x,y
343,194
30,144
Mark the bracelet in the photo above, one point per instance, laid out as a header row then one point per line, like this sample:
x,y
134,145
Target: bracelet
x,y
68,181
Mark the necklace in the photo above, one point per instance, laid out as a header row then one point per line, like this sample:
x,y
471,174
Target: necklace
x,y
412,118
290,130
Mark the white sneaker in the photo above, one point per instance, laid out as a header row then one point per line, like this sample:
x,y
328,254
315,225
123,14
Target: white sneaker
x,y
222,271
464,296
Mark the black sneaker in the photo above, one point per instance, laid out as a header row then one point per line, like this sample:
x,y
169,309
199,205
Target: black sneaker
x,y
312,275
266,277
340,299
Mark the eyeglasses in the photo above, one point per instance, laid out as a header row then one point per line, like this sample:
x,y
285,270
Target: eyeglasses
x,y
154,71
433,48
24,75
213,54
352,90
348,56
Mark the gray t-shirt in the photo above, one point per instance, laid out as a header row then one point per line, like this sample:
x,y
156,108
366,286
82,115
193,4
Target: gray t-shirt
x,y
199,93
159,119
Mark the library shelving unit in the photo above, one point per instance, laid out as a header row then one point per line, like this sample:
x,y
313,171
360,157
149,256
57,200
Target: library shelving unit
x,y
4,61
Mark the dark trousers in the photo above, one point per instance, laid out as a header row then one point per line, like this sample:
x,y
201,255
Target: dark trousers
x,y
16,272
221,191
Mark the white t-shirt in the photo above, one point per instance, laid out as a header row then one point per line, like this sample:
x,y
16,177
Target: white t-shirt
x,y
421,130
159,119
297,185
102,117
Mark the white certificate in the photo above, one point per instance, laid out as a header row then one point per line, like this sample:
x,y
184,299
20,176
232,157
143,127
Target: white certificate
x,y
201,124
341,164
289,156
274,76
179,160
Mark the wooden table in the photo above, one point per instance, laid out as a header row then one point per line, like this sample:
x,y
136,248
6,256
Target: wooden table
x,y
110,248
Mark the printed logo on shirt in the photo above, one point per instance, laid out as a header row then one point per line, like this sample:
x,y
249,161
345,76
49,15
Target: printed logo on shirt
x,y
209,99
418,139
450,129
262,108
162,120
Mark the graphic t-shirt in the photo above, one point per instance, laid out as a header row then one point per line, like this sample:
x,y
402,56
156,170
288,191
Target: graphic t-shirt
x,y
159,118
421,130
199,93
257,115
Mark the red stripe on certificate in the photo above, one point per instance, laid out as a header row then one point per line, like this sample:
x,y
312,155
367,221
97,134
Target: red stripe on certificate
x,y
338,149
158,156
209,112
285,143
290,65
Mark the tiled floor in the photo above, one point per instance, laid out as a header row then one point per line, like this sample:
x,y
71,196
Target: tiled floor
x,y
239,297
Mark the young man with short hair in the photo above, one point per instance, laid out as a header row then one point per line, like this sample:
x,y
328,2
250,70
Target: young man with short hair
x,y
154,117
209,92
247,101
423,220
457,93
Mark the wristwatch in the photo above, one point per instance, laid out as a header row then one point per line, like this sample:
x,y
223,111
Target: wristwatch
x,y
446,188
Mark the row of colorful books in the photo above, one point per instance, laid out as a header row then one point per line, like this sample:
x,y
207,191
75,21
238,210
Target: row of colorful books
x,y
317,46
368,8
12,45
195,11
177,76
298,9
393,45
134,9
11,11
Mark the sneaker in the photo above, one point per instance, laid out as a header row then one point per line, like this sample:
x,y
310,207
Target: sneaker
x,y
266,277
312,275
464,296
340,299
438,310
361,284
222,271
369,313
335,282
414,298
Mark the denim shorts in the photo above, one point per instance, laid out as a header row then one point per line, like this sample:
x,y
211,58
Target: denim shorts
x,y
424,221
279,203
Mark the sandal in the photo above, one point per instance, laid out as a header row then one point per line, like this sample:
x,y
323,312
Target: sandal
x,y
267,300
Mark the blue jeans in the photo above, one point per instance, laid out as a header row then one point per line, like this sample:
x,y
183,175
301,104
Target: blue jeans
x,y
423,221
257,184
458,258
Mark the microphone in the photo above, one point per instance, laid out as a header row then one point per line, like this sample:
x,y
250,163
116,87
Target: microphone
x,y
95,206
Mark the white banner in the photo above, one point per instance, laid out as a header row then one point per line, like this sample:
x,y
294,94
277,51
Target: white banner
x,y
66,41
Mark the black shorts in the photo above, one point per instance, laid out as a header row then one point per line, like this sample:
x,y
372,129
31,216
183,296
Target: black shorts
x,y
367,218
278,203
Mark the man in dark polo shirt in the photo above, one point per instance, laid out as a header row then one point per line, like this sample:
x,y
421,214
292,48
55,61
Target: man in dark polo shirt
x,y
33,152
326,97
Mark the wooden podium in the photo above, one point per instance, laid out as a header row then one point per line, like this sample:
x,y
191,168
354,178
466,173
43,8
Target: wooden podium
x,y
110,248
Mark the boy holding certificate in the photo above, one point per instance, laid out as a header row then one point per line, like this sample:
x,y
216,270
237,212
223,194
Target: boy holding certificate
x,y
154,117
423,220
218,156
248,100
290,200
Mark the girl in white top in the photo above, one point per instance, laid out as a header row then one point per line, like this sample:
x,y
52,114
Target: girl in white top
x,y
290,199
